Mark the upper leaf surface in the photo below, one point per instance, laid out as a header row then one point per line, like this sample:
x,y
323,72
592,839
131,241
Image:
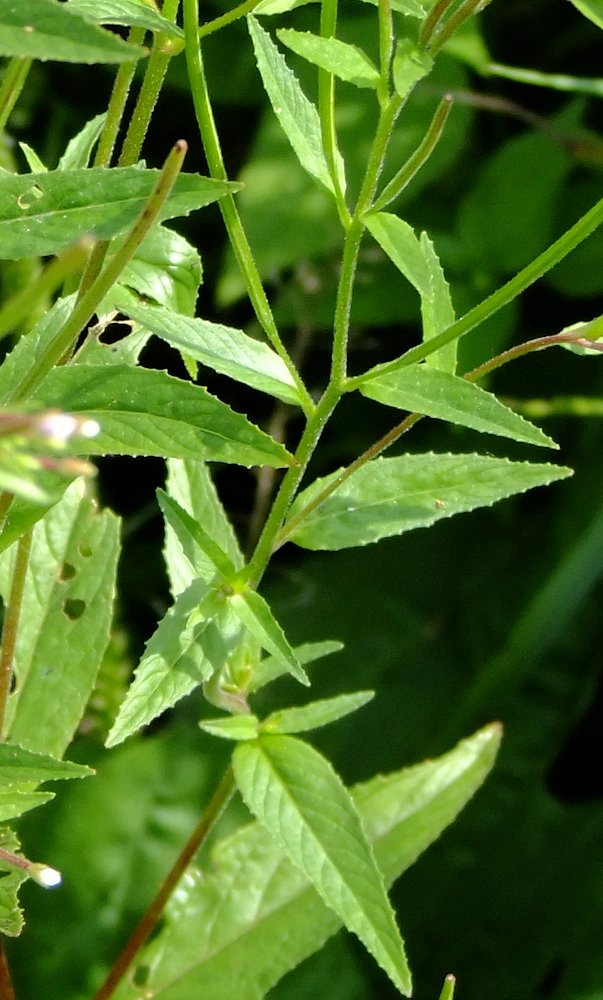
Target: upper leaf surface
x,y
223,348
593,9
297,115
254,910
79,148
128,12
300,719
392,495
345,61
19,765
45,29
297,795
165,269
439,394
272,667
147,412
44,213
65,619
256,615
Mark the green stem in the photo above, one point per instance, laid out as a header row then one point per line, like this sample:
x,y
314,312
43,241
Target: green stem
x,y
326,111
343,304
501,297
117,103
528,347
211,814
454,22
417,159
21,305
432,21
386,46
231,15
88,303
385,125
12,85
11,624
230,215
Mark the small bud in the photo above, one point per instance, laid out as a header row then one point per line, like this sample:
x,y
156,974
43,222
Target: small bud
x,y
45,876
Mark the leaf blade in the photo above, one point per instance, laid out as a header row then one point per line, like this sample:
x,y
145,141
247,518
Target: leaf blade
x,y
256,615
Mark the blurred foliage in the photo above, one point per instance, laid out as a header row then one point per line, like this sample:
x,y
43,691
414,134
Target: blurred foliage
x,y
496,615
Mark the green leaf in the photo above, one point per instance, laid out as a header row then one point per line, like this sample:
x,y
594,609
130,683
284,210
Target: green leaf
x,y
192,537
272,667
133,13
165,269
147,412
79,149
44,213
592,9
392,495
592,330
28,348
234,727
418,262
190,644
316,714
256,615
411,64
296,114
348,62
65,620
45,29
410,8
297,795
223,348
33,160
11,917
23,472
20,765
14,802
438,394
190,484
270,918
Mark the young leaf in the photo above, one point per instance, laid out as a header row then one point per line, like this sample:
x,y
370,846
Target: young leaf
x,y
345,61
193,537
392,495
270,918
258,618
65,619
18,765
146,412
593,9
79,149
33,160
316,714
272,667
132,13
438,394
190,644
223,348
411,64
165,269
297,115
418,262
234,727
45,29
44,213
592,330
190,484
14,802
297,795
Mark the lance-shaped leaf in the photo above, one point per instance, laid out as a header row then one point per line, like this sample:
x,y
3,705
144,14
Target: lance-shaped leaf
x,y
258,618
411,8
223,348
592,9
233,727
411,64
272,667
192,536
300,799
65,620
439,394
146,412
418,262
14,801
44,213
190,484
19,765
33,160
190,644
345,61
18,362
297,115
300,719
165,269
132,13
392,495
79,149
270,917
45,29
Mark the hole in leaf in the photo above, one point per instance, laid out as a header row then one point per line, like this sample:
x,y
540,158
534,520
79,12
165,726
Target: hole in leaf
x,y
74,608
67,572
85,550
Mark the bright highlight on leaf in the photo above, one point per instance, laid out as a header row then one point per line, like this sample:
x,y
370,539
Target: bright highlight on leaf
x,y
300,799
46,29
316,713
347,62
